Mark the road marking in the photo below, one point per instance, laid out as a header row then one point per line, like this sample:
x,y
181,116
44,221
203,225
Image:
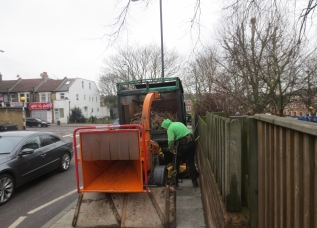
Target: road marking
x,y
17,222
70,135
51,202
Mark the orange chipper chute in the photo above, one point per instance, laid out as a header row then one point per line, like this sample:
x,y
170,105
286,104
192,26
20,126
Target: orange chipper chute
x,y
116,158
152,146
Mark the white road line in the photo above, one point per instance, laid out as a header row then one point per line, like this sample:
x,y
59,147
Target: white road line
x,y
51,202
17,222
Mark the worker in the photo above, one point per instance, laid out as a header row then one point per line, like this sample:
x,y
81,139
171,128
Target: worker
x,y
178,134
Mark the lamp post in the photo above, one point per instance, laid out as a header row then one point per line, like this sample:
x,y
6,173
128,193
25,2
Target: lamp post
x,y
68,111
161,26
22,99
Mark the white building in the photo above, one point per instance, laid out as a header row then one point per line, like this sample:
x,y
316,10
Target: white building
x,y
80,93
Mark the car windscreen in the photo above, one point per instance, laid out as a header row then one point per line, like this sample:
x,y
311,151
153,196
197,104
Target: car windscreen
x,y
8,143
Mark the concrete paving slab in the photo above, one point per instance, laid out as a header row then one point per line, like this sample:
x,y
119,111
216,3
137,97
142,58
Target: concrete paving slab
x,y
189,210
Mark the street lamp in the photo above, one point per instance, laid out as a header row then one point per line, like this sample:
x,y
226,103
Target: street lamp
x,y
22,99
161,25
69,112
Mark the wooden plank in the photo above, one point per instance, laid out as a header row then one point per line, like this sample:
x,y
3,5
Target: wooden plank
x,y
276,178
289,181
282,178
298,177
314,158
261,176
307,182
270,176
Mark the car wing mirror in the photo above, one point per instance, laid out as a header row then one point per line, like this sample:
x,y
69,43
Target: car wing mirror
x,y
26,151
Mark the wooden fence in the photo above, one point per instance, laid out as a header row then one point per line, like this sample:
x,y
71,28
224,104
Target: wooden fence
x,y
287,172
265,165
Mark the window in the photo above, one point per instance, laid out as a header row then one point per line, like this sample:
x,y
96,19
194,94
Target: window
x,y
67,83
96,100
62,96
32,143
97,109
77,97
188,108
48,139
92,99
89,86
43,97
82,84
27,97
12,97
61,113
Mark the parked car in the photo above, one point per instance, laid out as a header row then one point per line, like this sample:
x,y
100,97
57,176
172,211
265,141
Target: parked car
x,y
30,122
25,155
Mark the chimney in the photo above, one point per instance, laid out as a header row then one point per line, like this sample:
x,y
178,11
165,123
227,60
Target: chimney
x,y
0,77
44,75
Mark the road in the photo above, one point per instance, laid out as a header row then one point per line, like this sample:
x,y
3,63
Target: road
x,y
38,201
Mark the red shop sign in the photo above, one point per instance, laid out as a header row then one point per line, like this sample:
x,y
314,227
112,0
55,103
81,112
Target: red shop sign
x,y
40,105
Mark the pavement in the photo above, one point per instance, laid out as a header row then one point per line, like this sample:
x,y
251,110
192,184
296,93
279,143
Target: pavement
x,y
189,209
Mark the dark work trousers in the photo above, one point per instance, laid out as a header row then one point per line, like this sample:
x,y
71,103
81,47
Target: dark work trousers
x,y
186,153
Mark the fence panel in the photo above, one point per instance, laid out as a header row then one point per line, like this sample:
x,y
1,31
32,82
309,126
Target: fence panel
x,y
287,186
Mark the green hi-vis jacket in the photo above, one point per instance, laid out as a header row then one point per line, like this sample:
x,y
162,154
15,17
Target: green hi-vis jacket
x,y
175,131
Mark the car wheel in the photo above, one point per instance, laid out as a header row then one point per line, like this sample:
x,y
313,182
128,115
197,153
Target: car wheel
x,y
6,188
65,162
39,125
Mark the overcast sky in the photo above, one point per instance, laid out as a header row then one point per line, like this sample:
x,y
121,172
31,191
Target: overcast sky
x,y
62,37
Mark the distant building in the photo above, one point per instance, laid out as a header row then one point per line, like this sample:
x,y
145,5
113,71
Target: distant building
x,y
51,99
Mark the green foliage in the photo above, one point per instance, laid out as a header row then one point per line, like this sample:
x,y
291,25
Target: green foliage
x,y
76,116
111,101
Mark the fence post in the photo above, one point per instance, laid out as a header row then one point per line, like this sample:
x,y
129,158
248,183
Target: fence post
x,y
253,171
233,164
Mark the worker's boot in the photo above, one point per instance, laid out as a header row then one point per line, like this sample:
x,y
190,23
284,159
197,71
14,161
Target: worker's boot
x,y
195,183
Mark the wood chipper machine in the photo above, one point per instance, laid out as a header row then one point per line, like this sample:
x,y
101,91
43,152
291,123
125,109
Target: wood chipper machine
x,y
119,180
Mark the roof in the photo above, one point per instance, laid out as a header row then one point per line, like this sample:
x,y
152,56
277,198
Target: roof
x,y
26,85
66,84
18,133
5,85
49,85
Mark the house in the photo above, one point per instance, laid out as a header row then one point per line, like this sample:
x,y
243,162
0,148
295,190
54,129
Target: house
x,y
81,93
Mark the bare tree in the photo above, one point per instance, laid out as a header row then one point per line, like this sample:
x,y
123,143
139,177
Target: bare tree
x,y
306,88
135,63
301,11
260,61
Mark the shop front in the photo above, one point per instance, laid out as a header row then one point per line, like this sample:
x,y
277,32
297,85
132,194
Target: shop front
x,y
41,110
